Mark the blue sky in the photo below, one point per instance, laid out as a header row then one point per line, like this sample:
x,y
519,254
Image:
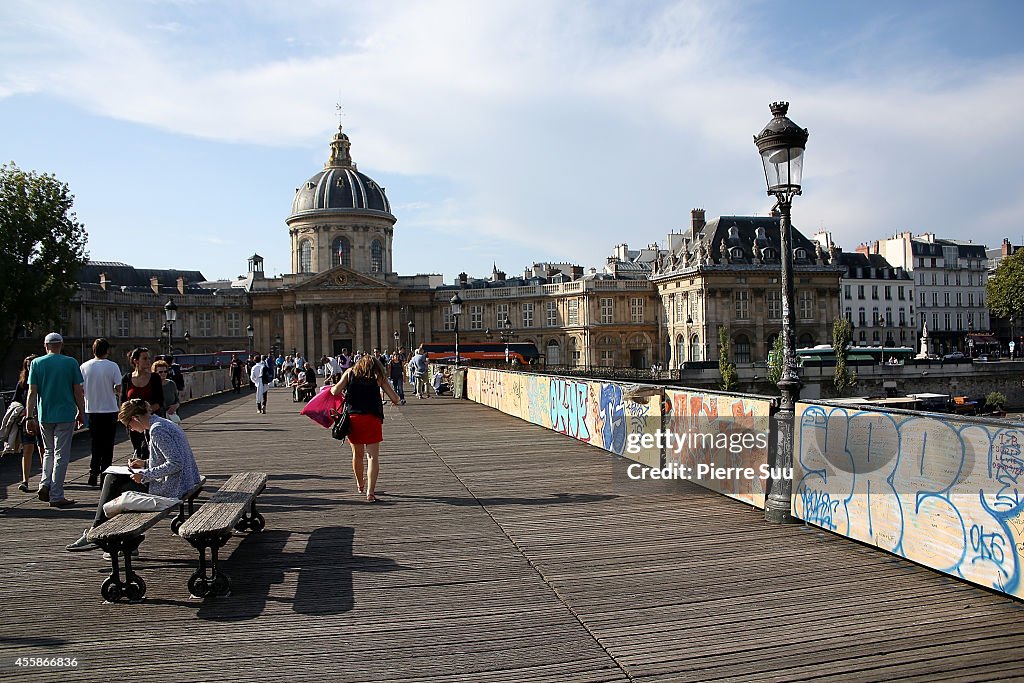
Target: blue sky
x,y
511,132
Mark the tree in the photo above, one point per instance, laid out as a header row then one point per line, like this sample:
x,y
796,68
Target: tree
x,y
42,248
727,368
1005,289
775,360
842,331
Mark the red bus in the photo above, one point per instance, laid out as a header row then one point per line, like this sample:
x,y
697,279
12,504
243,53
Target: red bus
x,y
523,352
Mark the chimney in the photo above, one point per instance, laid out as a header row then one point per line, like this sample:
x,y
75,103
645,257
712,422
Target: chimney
x,y
463,279
104,281
577,272
154,284
864,249
181,285
1007,249
696,222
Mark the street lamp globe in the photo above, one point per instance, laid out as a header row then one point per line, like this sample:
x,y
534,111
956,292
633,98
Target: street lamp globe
x,y
456,303
782,145
170,311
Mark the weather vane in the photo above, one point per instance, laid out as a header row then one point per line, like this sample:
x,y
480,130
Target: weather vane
x,y
341,113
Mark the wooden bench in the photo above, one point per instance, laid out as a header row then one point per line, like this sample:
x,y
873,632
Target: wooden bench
x,y
122,534
232,508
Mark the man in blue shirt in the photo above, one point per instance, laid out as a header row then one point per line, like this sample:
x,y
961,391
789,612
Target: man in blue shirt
x,y
56,401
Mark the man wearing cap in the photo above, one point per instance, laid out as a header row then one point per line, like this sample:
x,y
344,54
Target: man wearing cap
x,y
56,402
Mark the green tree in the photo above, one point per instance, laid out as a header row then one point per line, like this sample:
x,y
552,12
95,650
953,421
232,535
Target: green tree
x,y
1005,288
42,248
842,332
726,367
775,360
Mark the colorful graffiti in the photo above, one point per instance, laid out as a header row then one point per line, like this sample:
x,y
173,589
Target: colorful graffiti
x,y
699,413
591,411
943,493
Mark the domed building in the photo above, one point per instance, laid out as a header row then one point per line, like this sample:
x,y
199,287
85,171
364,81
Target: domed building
x,y
342,292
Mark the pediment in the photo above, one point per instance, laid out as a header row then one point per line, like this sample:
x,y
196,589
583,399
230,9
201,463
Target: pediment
x,y
340,277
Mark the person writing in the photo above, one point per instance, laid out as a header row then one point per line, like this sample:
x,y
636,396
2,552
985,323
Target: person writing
x,y
170,471
362,384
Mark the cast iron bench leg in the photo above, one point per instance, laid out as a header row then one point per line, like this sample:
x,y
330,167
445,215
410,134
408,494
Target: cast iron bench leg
x,y
251,519
133,587
214,582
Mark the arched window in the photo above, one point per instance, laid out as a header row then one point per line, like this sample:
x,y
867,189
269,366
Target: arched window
x,y
680,350
376,257
741,349
305,256
341,252
806,341
554,353
694,348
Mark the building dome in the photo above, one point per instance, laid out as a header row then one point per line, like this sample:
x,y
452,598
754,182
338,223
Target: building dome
x,y
340,186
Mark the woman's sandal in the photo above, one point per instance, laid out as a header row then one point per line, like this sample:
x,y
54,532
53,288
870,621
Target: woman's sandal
x,y
23,487
370,498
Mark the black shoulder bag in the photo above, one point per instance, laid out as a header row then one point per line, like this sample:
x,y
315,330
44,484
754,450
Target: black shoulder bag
x,y
342,424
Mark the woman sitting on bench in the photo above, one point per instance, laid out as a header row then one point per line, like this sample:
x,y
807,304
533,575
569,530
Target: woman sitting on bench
x,y
171,470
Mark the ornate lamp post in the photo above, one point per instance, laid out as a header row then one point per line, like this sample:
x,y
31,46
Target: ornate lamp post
x,y
171,314
412,335
781,145
506,334
163,335
456,303
250,333
398,340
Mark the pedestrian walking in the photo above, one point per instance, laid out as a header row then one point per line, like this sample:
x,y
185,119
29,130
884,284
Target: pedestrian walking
x,y
102,383
262,375
28,432
56,402
418,366
140,382
362,385
171,401
396,373
235,372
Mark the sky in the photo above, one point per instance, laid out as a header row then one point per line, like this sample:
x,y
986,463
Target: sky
x,y
508,132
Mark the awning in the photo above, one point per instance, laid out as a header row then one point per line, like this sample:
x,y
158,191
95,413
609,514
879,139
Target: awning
x,y
983,338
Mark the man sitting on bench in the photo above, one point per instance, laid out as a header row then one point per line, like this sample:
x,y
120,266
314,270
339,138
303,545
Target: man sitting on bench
x,y
171,470
304,388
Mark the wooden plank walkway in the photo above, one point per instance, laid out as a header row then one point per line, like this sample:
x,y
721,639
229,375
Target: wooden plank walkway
x,y
499,551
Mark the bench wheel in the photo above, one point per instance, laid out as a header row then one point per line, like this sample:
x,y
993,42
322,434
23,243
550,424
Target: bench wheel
x,y
111,589
135,589
257,523
198,586
175,525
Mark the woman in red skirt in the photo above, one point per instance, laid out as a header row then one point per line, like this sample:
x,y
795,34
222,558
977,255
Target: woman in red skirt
x,y
362,384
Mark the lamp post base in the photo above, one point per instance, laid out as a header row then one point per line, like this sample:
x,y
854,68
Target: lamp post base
x,y
777,505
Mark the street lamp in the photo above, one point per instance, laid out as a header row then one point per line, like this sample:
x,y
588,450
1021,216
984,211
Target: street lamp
x,y
781,145
163,335
171,314
398,340
188,338
505,332
456,303
250,333
412,334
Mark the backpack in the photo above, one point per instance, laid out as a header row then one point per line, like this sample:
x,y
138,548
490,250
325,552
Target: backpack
x,y
268,374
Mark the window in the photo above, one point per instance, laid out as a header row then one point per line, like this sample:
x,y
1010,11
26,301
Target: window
x,y
502,314
149,327
934,279
743,305
875,319
935,298
806,305
849,315
680,350
607,310
552,314
888,316
921,279
945,297
305,256
959,321
695,354
945,279
860,291
935,321
903,317
741,349
448,318
922,299
553,354
899,293
970,298
124,324
341,252
846,291
377,257
958,279
693,307
204,322
862,317
863,336
476,317
680,309
876,336
947,327
527,314
874,291
574,312
774,300
799,254
636,310
888,291
606,346
234,324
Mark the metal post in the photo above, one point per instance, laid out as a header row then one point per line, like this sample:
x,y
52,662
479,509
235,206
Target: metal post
x,y
777,506
456,340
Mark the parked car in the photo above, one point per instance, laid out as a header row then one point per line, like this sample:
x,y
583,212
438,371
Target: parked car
x,y
956,355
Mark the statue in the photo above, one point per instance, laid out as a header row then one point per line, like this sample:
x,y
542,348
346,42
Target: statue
x,y
757,252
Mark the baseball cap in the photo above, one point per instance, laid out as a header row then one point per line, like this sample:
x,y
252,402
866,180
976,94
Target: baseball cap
x,y
53,338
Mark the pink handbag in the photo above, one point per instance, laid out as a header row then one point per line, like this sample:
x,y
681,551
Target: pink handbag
x,y
323,408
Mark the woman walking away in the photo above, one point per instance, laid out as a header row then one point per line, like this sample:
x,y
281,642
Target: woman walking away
x,y
28,429
141,383
362,384
170,471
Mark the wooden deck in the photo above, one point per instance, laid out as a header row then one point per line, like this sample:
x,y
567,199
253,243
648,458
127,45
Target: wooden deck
x,y
499,551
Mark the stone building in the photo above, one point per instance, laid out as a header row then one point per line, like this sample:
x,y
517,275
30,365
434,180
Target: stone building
x,y
726,273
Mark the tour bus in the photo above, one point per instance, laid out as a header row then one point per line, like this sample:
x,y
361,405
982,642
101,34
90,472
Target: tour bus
x,y
523,352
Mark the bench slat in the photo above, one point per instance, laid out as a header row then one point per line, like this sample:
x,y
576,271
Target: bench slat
x,y
128,524
243,482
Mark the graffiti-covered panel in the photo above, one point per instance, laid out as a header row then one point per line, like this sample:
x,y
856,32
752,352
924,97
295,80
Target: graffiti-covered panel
x,y
945,493
705,431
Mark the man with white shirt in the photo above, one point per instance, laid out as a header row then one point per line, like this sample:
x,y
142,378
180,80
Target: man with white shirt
x,y
261,375
102,383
